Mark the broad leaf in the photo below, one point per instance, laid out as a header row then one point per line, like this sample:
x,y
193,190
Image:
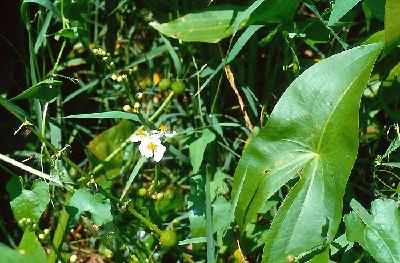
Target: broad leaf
x,y
96,204
340,8
378,233
392,25
312,132
30,203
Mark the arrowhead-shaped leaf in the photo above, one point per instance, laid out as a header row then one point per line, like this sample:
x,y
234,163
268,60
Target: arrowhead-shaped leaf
x,y
378,233
312,132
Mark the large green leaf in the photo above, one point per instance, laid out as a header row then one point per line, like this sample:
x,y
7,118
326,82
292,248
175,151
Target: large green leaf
x,y
31,203
312,132
220,22
392,24
378,233
96,204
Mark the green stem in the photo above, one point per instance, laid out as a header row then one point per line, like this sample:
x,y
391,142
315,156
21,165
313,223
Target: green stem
x,y
144,220
59,233
210,237
127,141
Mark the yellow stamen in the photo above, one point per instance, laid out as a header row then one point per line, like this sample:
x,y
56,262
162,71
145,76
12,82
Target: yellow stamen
x,y
141,133
163,128
152,146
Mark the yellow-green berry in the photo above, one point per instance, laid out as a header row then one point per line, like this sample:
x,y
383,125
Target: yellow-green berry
x,y
159,196
164,84
142,191
178,86
168,238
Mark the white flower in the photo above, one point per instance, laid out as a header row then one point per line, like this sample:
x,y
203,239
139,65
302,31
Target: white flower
x,y
163,130
152,147
139,136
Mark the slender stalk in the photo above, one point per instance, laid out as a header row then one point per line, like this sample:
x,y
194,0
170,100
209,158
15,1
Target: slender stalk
x,y
59,233
144,220
210,237
28,169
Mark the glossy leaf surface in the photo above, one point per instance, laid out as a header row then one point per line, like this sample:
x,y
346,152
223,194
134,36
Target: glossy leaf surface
x,y
220,22
378,233
340,8
312,132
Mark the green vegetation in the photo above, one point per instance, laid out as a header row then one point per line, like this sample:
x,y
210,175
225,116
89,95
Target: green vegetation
x,y
201,131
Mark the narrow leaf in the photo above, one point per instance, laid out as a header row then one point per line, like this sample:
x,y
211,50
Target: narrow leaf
x,y
106,115
45,90
198,147
340,8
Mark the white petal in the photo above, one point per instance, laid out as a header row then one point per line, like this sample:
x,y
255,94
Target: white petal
x,y
159,152
135,138
144,149
170,134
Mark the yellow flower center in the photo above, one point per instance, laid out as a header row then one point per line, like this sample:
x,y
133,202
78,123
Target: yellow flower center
x,y
152,146
163,128
141,133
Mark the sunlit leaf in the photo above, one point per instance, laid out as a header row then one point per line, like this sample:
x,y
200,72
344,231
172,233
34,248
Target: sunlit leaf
x,y
340,8
312,132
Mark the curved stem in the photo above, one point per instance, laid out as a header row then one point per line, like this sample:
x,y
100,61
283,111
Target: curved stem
x,y
144,220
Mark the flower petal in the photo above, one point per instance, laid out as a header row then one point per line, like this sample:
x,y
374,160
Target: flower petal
x,y
144,149
159,152
135,138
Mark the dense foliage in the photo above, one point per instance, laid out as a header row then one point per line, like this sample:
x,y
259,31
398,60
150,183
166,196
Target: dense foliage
x,y
201,131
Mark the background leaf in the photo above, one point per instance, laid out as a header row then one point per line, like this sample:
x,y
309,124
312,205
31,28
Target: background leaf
x,y
96,204
392,25
31,203
312,131
381,235
198,147
29,251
